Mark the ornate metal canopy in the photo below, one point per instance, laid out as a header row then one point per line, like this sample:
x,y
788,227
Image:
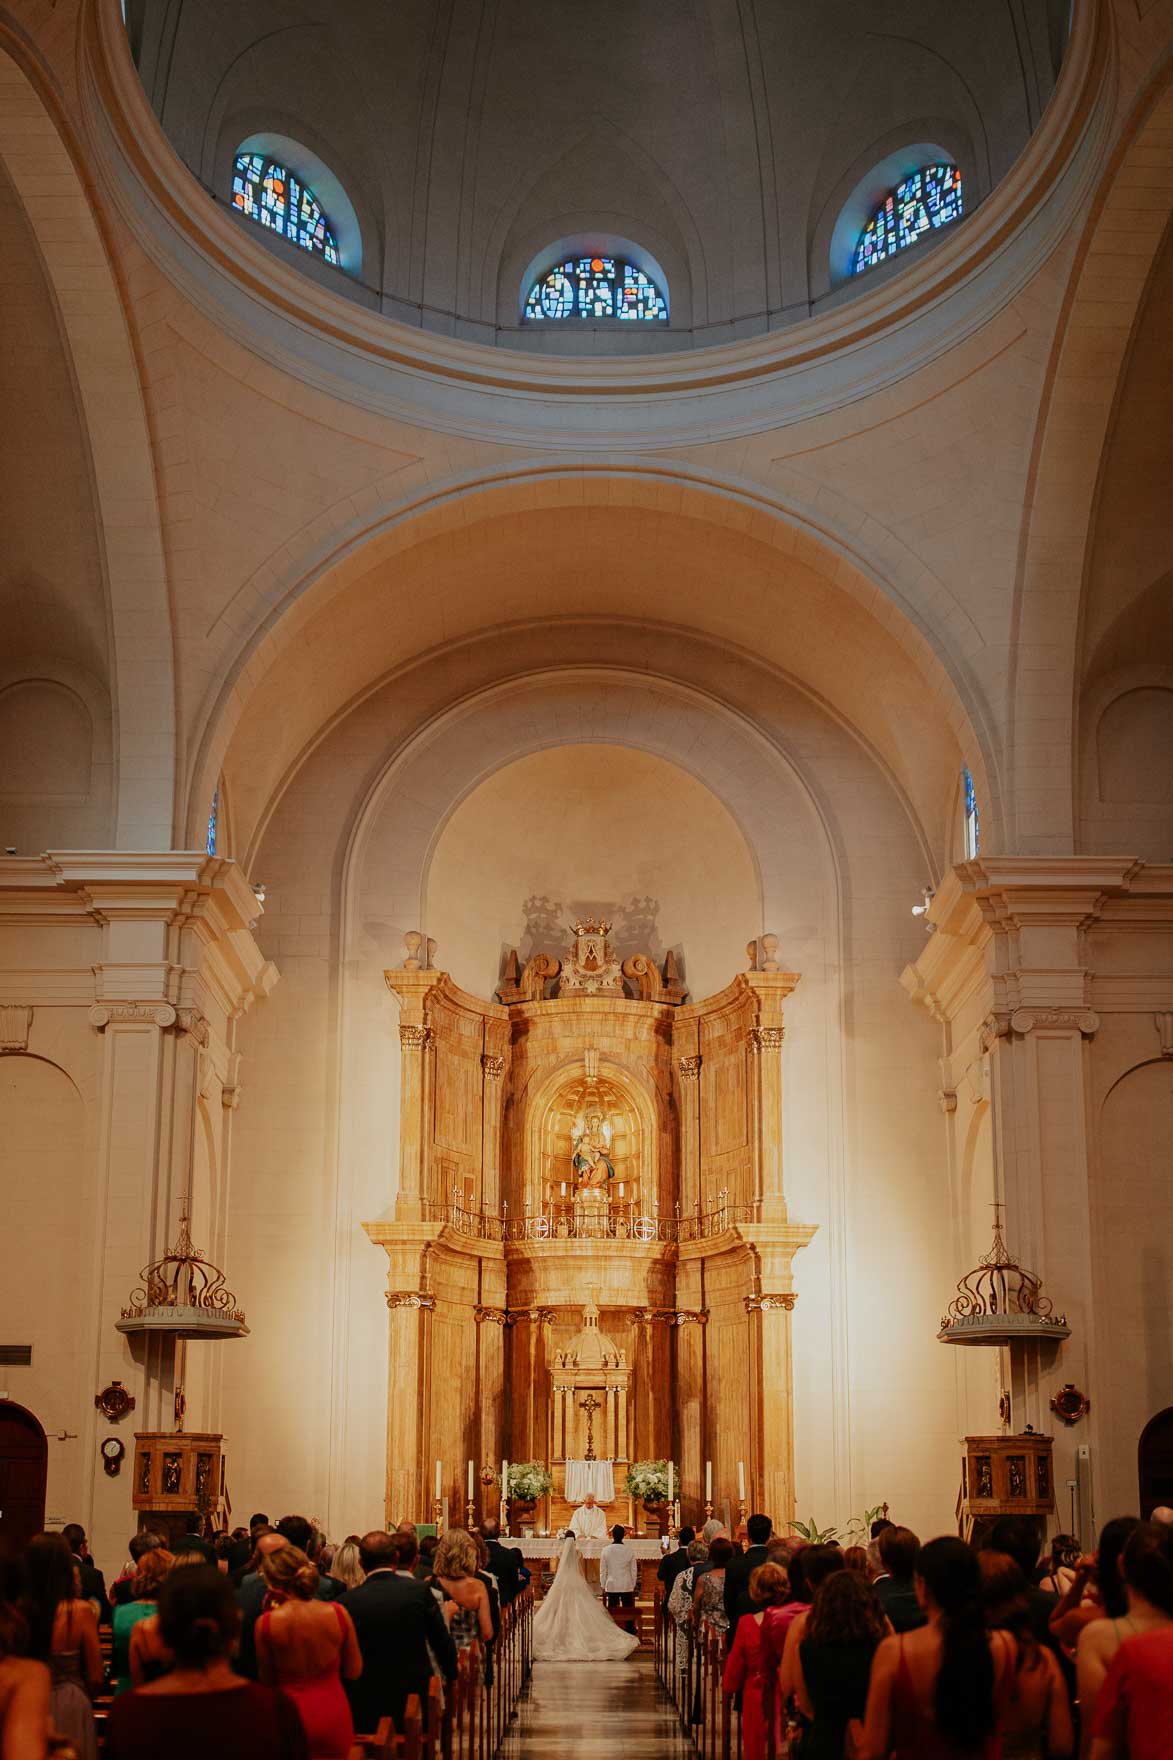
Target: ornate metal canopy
x,y
183,1294
999,1302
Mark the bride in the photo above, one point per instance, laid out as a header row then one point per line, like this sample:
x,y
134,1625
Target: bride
x,y
571,1625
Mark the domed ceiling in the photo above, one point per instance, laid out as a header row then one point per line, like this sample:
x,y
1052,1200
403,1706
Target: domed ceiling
x,y
729,156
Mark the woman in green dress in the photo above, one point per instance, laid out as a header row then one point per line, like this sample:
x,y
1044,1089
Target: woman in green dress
x,y
153,1569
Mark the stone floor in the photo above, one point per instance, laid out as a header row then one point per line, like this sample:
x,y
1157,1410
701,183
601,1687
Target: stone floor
x,y
596,1708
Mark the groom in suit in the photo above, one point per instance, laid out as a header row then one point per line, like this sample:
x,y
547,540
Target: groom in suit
x,y
396,1620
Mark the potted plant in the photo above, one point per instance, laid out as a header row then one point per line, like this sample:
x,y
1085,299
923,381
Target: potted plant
x,y
648,1480
528,1480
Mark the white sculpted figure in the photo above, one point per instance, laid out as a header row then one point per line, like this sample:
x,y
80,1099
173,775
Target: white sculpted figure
x,y
572,1625
588,1521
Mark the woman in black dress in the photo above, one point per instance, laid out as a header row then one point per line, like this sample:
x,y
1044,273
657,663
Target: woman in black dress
x,y
845,1625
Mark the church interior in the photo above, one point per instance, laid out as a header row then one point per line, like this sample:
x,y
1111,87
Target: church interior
x,y
586,761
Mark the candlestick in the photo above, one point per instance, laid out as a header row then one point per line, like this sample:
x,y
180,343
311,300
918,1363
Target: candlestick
x,y
741,1480
469,1515
708,1481
708,1509
438,1514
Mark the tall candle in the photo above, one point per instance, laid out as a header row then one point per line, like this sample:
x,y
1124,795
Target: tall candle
x,y
470,1469
439,1478
671,1482
708,1482
505,1480
741,1480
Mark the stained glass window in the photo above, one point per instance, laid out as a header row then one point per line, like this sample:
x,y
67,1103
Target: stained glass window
x,y
213,815
971,815
929,198
596,287
277,198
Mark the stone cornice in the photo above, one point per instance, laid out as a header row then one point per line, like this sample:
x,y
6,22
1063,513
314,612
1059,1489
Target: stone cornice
x,y
1008,899
806,367
207,897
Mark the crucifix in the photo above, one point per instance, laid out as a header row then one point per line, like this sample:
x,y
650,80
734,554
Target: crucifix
x,y
590,1405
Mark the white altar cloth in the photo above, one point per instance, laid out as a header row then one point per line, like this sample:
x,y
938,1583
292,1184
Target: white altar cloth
x,y
550,1546
585,1476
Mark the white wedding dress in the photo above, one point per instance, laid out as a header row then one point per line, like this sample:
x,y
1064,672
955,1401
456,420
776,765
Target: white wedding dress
x,y
571,1625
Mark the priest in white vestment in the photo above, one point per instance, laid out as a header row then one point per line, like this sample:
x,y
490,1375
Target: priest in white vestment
x,y
588,1521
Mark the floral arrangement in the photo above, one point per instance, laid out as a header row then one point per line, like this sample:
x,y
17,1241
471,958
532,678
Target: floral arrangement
x,y
529,1480
647,1480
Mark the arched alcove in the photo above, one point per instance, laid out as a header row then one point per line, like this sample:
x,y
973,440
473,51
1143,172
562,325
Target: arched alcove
x,y
608,829
1133,1267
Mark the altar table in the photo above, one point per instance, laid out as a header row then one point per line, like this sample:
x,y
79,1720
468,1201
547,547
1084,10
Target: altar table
x,y
543,1549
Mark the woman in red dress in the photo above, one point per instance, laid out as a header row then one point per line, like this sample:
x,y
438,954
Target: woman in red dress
x,y
751,1667
307,1647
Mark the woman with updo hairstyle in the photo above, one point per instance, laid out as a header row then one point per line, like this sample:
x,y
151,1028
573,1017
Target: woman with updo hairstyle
x,y
201,1707
939,1692
751,1666
1132,1710
307,1648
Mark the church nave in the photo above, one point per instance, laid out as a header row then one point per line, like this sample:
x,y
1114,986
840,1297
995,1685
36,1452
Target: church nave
x,y
589,1709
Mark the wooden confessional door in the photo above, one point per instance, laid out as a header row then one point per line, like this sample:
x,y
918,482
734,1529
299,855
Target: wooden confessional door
x,y
24,1465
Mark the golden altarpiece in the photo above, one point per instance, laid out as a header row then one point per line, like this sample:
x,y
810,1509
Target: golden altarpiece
x,y
591,1229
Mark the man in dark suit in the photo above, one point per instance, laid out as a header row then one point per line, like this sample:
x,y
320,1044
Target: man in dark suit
x,y
672,1563
739,1569
93,1583
503,1560
894,1587
397,1620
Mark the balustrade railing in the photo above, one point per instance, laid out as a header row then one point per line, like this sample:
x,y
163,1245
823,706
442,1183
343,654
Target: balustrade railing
x,y
618,1221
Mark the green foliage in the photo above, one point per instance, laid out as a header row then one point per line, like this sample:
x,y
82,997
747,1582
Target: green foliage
x,y
647,1480
813,1534
529,1480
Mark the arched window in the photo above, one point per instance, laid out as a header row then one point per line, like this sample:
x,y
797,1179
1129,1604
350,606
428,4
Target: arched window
x,y
596,287
929,198
970,811
274,196
214,821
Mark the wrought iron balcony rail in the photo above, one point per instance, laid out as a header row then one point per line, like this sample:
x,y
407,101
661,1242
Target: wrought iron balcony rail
x,y
568,1221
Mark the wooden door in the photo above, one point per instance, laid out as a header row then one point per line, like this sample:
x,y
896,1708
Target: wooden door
x,y
24,1460
1155,1463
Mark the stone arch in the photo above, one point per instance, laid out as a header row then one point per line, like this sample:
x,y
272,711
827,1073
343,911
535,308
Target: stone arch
x,y
410,802
1134,199
355,553
43,162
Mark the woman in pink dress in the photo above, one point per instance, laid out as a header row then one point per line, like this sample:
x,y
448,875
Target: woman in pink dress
x,y
307,1648
751,1667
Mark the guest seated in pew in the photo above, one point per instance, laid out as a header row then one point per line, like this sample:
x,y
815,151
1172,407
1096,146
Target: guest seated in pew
x,y
24,1692
752,1665
308,1647
202,1707
396,1620
63,1633
152,1572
